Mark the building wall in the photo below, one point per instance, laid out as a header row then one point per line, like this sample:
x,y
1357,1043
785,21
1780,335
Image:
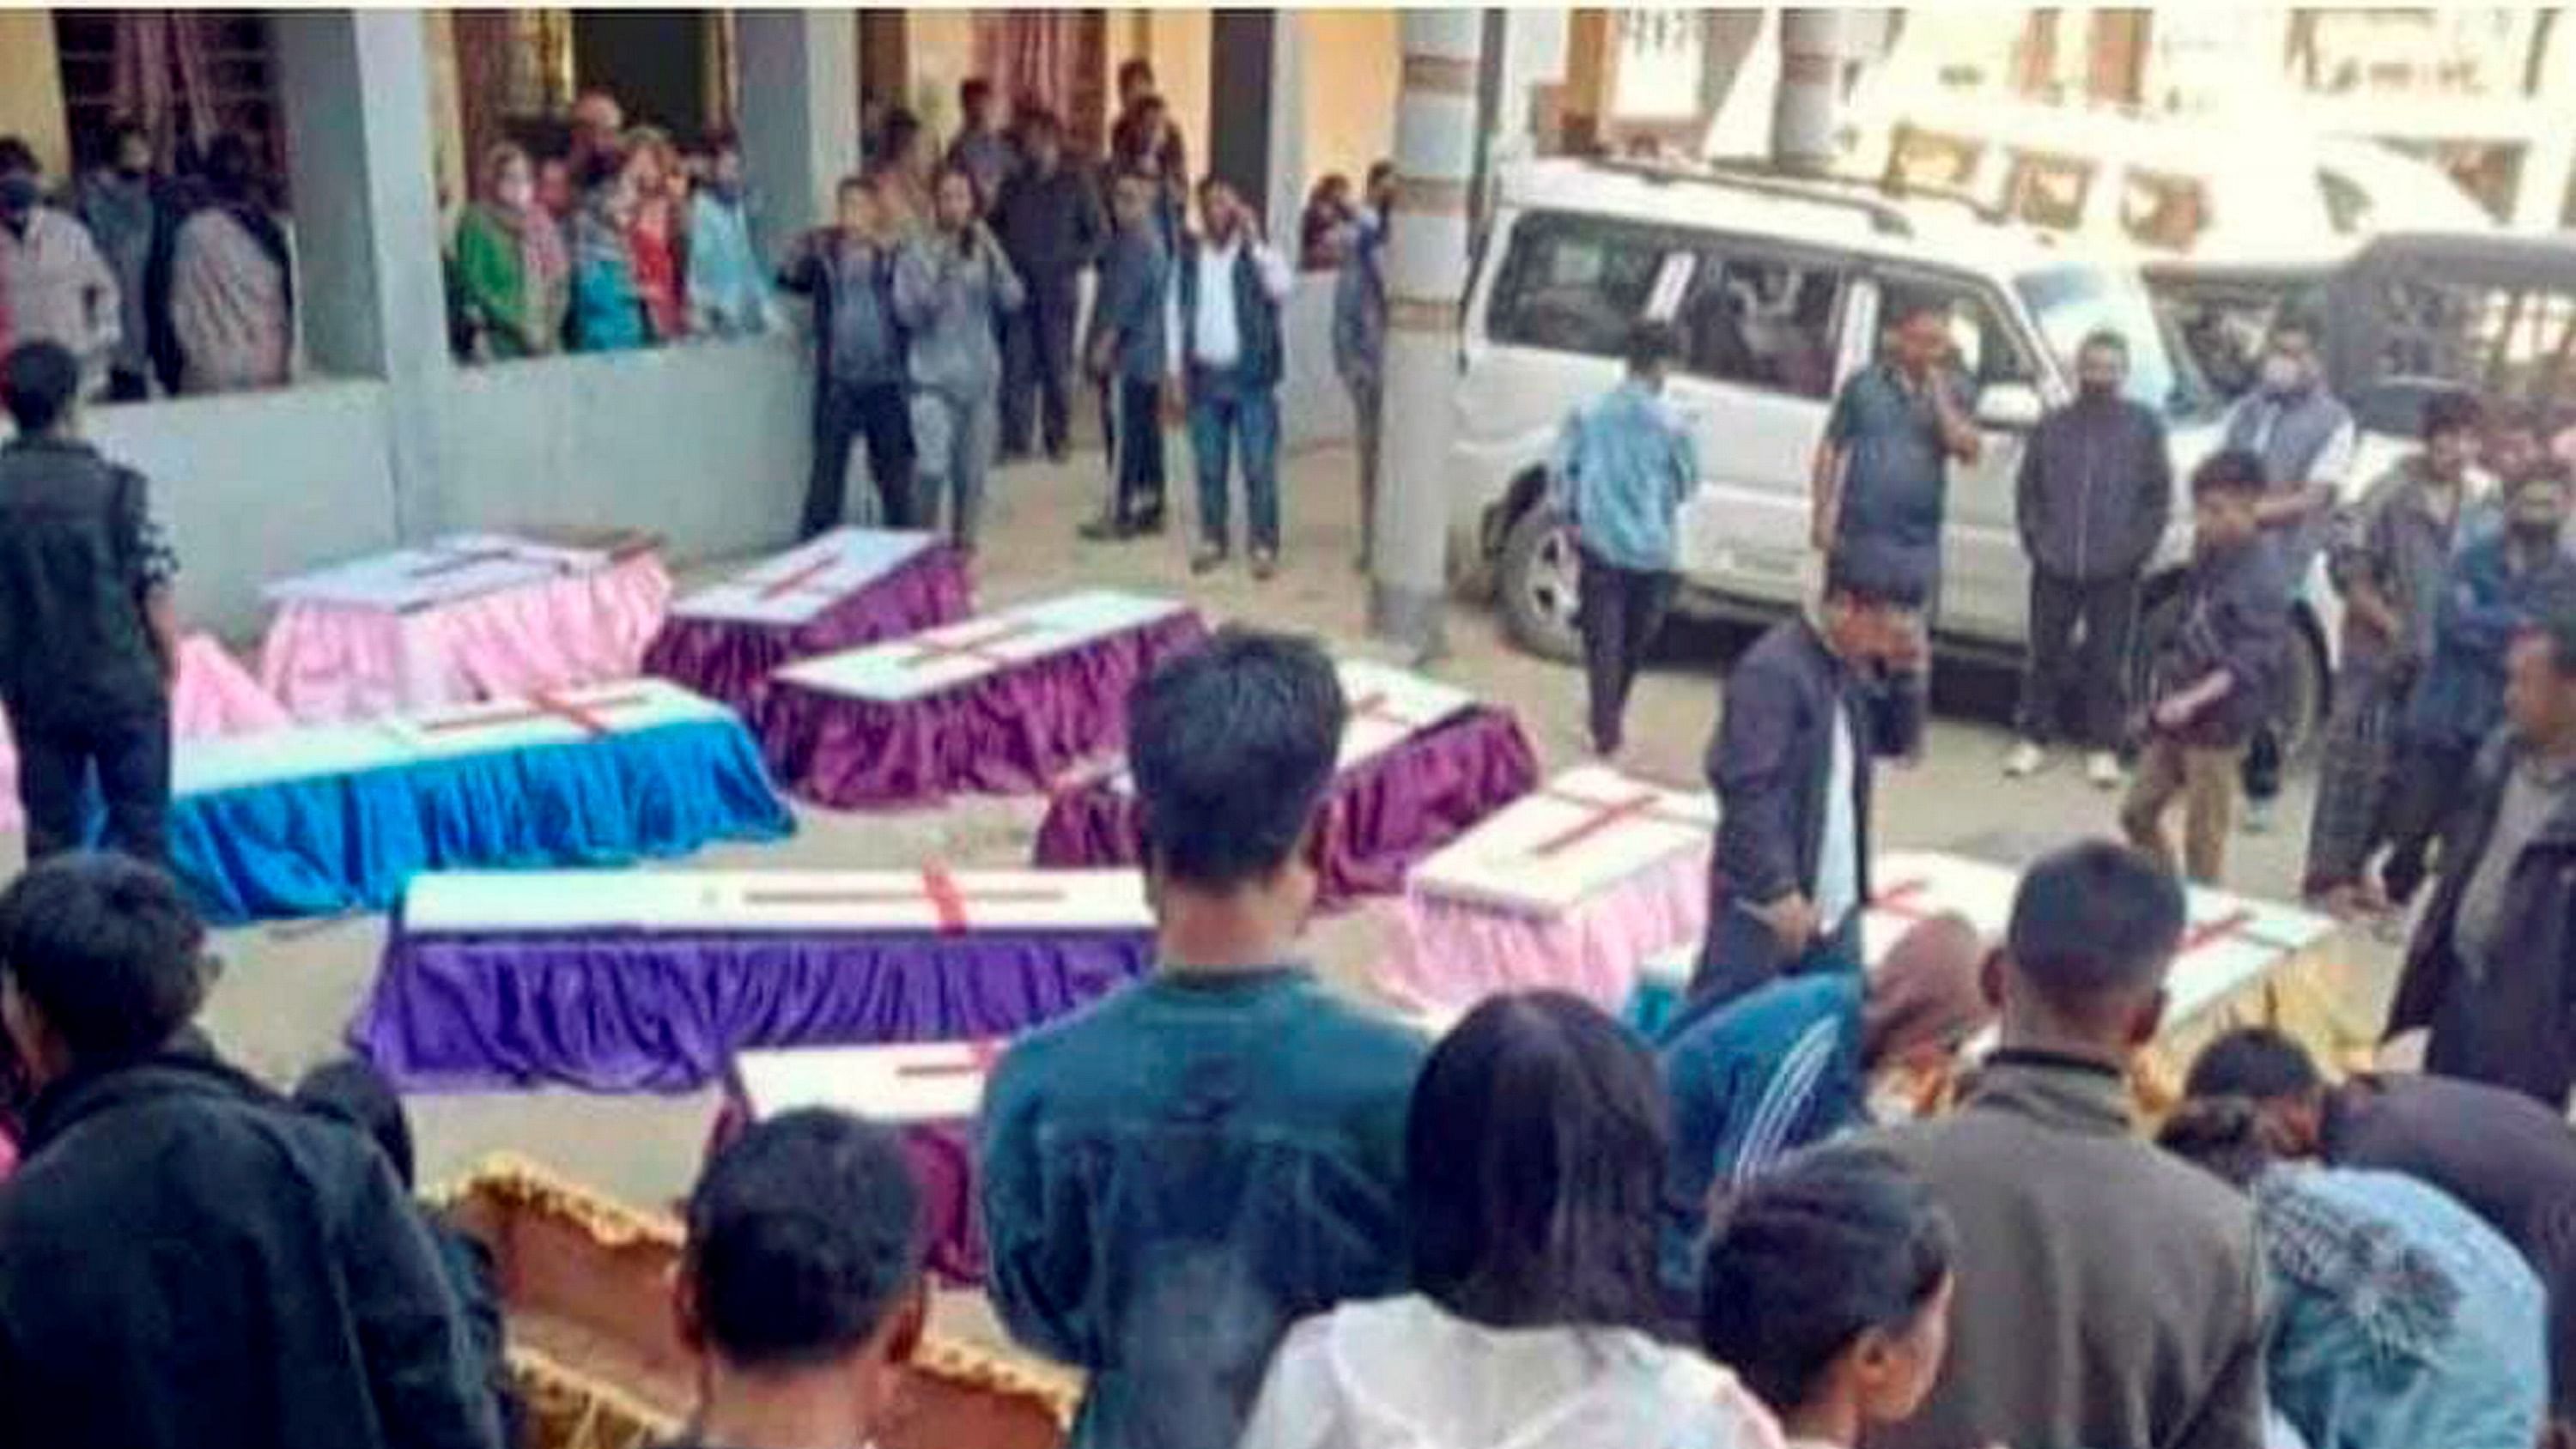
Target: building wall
x,y
31,87
1354,64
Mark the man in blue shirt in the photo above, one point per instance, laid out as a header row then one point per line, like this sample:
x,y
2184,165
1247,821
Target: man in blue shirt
x,y
1622,468
1174,1175
1129,352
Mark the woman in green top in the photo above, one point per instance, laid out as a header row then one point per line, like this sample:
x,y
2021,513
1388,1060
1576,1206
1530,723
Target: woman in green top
x,y
510,261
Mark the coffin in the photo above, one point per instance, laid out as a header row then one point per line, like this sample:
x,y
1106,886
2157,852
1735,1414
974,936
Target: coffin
x,y
585,1285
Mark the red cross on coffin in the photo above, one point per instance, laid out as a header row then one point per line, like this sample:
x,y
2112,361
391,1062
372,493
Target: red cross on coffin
x,y
1583,833
548,717
899,1083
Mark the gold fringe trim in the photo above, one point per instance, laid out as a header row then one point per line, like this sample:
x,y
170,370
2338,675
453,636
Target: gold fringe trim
x,y
509,1180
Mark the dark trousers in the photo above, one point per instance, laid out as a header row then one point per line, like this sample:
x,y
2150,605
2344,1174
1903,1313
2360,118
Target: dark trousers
x,y
843,414
2080,635
1132,415
131,755
1740,955
1618,611
2428,785
1231,416
124,386
1037,368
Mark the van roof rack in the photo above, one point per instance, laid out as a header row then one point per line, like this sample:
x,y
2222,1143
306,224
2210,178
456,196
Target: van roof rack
x,y
1886,217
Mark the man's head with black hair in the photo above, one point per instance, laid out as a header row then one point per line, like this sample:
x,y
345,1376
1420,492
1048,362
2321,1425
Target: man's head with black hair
x,y
40,384
2226,494
2273,1072
102,960
1233,746
2452,423
2540,686
1870,609
2094,930
801,1282
22,186
1918,331
1651,346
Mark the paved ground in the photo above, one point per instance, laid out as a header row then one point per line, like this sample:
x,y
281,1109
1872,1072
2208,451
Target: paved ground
x,y
287,992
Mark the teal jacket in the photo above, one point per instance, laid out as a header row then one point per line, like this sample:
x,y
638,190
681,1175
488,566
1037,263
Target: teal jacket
x,y
1623,467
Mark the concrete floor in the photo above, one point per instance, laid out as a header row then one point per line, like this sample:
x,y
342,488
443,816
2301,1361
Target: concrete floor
x,y
288,991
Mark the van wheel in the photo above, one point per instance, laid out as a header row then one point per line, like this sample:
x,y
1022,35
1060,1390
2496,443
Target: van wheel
x,y
2302,714
1538,580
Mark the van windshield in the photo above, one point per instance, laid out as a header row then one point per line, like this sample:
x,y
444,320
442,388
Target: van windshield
x,y
2071,302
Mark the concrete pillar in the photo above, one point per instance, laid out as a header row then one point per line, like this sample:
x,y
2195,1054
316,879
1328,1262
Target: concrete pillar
x,y
1804,111
800,114
355,86
1426,271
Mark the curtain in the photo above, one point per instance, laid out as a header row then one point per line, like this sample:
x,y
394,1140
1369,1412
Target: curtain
x,y
163,80
1032,54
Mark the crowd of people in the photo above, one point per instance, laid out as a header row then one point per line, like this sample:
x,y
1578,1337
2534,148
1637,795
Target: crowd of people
x,y
1257,1211
180,282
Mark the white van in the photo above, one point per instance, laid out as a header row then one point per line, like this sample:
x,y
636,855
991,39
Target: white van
x,y
1775,290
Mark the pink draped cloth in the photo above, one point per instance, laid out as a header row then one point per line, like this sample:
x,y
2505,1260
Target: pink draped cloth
x,y
329,663
1450,954
214,696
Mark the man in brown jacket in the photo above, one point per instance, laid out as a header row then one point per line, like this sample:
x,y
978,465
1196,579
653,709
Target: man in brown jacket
x,y
2108,1296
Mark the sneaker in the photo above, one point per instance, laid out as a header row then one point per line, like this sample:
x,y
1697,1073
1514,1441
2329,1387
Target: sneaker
x,y
2025,760
2258,817
2103,769
1207,560
1265,565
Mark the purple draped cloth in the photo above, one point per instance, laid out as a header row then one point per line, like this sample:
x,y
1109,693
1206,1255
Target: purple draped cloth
x,y
730,659
1383,814
942,1155
1013,731
622,1010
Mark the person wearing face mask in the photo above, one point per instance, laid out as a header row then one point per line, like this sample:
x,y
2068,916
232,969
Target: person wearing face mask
x,y
2389,556
2306,440
728,289
510,262
2094,495
54,285
950,286
2499,583
121,204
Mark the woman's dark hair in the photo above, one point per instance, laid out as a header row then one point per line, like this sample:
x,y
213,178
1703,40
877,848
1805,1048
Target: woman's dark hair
x,y
351,1092
1803,1261
2229,470
2228,1137
1534,1164
974,188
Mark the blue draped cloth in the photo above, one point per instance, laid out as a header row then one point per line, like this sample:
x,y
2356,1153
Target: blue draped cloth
x,y
329,843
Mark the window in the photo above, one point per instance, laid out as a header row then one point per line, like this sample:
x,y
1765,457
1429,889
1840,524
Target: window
x,y
1761,321
1575,284
2047,190
2347,203
1920,158
2518,341
1986,346
187,76
2165,211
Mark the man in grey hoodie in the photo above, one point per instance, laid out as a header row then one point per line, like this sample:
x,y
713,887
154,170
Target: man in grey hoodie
x,y
2095,493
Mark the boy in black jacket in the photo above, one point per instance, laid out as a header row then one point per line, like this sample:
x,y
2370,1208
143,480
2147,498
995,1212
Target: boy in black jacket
x,y
2214,679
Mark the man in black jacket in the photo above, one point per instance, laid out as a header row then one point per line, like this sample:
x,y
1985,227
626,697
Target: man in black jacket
x,y
1807,709
187,1262
88,638
1049,220
2095,493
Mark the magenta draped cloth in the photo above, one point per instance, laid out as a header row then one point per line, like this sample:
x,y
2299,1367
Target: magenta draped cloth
x,y
331,663
1383,814
664,1011
1014,731
214,696
942,1155
731,659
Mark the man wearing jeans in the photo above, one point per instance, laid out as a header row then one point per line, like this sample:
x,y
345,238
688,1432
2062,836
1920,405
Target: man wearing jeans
x,y
1231,284
1623,468
88,639
860,357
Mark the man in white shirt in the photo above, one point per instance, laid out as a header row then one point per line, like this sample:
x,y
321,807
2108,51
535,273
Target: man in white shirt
x,y
1231,284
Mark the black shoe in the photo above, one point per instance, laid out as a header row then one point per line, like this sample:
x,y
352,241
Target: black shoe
x,y
1105,530
1208,559
1147,525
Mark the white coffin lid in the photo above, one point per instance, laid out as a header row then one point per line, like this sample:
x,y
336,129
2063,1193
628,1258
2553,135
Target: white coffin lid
x,y
940,659
773,900
1561,844
457,566
900,1084
794,586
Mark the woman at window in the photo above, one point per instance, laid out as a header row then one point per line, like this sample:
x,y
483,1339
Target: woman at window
x,y
232,289
607,311
510,261
655,233
1534,1159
